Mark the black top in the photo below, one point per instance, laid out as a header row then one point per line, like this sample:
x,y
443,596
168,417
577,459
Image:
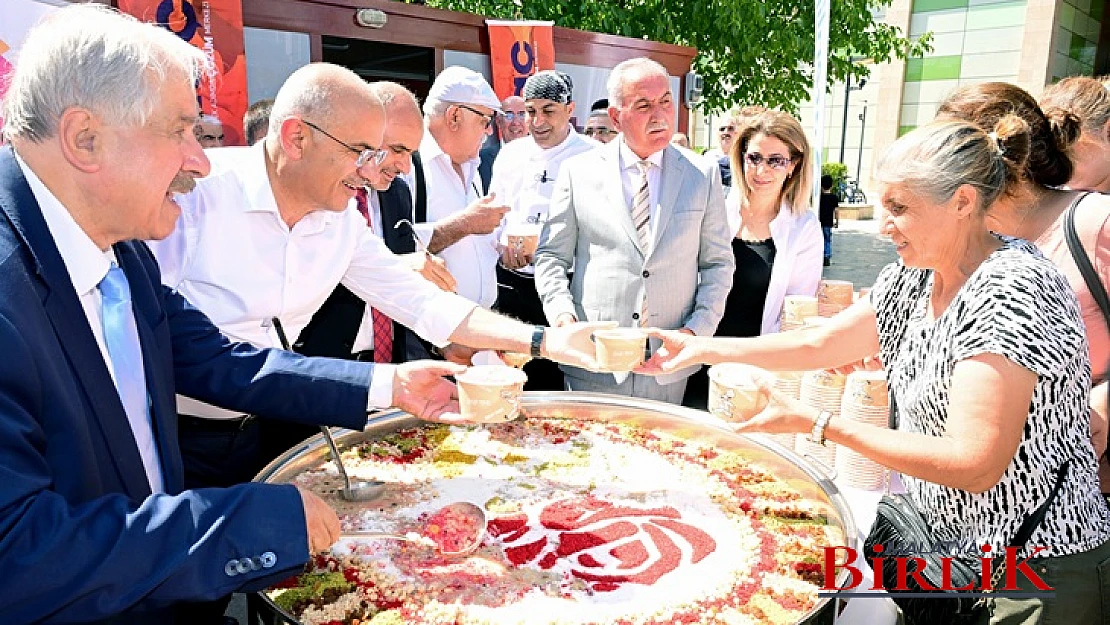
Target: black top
x,y
744,306
829,202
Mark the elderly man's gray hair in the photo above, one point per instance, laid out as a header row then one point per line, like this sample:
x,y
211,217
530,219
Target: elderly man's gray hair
x,y
94,57
626,70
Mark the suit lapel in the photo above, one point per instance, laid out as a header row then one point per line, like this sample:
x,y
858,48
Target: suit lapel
x,y
69,322
396,204
670,183
613,182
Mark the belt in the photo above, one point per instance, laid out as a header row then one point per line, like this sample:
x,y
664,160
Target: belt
x,y
214,425
366,355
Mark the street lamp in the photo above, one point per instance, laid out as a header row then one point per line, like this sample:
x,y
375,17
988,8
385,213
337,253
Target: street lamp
x,y
862,126
848,89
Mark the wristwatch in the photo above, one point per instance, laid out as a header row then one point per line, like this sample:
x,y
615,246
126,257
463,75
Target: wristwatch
x,y
537,341
817,434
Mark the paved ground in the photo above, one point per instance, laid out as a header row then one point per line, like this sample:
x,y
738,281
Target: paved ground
x,y
859,253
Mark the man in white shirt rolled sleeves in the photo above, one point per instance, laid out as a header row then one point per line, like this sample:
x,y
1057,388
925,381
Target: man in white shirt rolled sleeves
x,y
523,177
272,230
459,224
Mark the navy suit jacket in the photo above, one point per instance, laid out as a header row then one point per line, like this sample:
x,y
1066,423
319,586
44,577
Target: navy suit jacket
x,y
333,329
81,537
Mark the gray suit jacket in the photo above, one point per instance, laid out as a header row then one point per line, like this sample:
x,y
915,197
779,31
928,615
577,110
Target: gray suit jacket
x,y
686,275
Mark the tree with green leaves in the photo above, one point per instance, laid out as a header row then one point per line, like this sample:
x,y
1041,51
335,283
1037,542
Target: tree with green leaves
x,y
749,51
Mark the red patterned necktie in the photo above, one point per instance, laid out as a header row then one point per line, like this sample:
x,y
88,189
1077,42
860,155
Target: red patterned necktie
x,y
383,325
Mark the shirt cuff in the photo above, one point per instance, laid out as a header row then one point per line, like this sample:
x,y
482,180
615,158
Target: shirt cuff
x,y
381,387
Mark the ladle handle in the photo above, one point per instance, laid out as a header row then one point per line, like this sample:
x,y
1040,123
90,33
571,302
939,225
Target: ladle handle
x,y
326,431
284,340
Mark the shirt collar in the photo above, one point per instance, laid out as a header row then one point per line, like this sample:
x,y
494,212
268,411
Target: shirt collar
x,y
430,151
256,182
86,263
540,153
629,158
256,185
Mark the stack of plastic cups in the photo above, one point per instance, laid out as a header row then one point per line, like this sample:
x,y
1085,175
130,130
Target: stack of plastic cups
x,y
788,383
834,296
821,390
865,400
795,308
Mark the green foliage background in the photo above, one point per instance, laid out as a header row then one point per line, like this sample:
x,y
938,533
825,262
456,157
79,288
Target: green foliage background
x,y
749,51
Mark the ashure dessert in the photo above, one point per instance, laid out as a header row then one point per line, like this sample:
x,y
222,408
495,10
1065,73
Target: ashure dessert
x,y
588,523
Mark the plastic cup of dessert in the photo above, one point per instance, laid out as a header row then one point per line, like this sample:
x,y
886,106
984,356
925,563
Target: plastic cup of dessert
x,y
734,394
490,393
523,237
620,349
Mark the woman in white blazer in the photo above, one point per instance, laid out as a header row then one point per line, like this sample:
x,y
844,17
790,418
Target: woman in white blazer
x,y
776,238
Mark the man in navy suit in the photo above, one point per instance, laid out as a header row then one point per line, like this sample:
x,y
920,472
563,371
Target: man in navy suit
x,y
94,524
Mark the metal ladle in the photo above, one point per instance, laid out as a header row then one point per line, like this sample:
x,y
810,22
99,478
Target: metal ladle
x,y
359,491
466,545
412,230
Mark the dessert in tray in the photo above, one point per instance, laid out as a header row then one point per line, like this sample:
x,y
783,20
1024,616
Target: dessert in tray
x,y
588,522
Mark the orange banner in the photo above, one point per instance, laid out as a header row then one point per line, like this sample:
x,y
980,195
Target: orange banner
x,y
216,27
516,51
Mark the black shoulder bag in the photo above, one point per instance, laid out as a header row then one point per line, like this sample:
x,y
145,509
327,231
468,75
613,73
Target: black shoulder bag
x,y
901,530
1079,255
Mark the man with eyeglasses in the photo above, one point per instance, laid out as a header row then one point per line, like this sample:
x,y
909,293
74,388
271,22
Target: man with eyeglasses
x,y
643,225
599,127
459,220
508,127
265,238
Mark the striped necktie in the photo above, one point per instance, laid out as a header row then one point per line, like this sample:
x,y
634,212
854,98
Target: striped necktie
x,y
641,208
382,324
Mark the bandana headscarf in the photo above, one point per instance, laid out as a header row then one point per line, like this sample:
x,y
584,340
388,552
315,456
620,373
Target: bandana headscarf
x,y
548,85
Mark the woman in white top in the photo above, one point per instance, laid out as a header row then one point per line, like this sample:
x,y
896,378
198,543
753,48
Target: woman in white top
x,y
777,240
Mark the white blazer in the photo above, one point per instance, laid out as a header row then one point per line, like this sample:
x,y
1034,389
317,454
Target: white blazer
x,y
799,252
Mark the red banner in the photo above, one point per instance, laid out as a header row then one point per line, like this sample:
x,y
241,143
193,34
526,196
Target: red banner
x,y
516,51
216,27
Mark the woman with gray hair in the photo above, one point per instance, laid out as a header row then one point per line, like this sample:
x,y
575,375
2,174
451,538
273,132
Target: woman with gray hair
x,y
985,355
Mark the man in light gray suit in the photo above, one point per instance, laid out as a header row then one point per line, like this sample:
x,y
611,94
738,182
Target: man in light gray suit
x,y
643,226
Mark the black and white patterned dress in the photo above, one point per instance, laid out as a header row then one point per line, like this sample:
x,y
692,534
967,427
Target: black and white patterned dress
x,y
1016,304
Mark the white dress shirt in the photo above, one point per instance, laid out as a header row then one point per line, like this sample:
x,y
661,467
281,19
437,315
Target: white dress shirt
x,y
472,259
524,176
630,178
87,265
234,258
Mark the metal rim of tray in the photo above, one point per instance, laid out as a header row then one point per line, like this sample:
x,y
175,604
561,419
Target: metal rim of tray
x,y
310,451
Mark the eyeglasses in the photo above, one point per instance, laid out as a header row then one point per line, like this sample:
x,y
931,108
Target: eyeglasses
x,y
488,119
755,159
601,132
511,117
369,155
727,128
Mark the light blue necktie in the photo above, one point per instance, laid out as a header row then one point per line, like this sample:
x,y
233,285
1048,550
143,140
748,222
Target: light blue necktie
x,y
122,340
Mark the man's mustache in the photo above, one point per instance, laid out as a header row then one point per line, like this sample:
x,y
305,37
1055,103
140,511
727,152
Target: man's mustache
x,y
183,183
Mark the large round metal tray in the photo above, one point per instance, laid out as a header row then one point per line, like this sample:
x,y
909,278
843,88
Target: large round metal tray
x,y
811,482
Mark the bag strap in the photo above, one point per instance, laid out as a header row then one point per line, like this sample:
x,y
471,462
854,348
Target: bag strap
x,y
1094,285
421,190
1025,531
